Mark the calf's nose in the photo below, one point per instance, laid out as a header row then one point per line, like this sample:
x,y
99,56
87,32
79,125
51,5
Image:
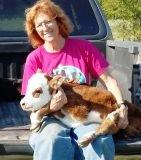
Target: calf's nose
x,y
23,104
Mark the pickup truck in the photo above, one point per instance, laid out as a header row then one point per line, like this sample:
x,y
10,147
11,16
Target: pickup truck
x,y
89,23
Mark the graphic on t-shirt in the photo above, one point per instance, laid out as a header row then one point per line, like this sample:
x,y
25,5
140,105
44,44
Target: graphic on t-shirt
x,y
70,73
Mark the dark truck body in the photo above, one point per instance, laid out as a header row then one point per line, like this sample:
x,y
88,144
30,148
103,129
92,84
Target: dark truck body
x,y
89,24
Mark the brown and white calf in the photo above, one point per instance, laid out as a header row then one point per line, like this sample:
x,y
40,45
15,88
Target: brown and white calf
x,y
85,104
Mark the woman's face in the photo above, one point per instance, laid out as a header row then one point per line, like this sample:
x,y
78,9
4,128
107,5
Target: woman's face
x,y
46,28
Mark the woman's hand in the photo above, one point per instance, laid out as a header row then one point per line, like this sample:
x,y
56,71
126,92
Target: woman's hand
x,y
123,116
58,100
123,121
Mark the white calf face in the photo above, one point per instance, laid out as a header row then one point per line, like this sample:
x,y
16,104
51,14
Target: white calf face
x,y
37,94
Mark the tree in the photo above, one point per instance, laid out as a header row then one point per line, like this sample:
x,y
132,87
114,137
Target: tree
x,y
128,15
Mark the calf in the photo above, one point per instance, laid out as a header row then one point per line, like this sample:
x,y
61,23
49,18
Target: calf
x,y
85,104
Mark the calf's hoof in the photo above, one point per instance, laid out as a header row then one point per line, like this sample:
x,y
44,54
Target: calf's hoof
x,y
86,140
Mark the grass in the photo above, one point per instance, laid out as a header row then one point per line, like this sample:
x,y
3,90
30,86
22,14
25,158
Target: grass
x,y
15,157
128,157
19,157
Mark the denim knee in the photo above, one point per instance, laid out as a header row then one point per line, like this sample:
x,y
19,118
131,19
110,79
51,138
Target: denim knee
x,y
108,141
108,147
53,138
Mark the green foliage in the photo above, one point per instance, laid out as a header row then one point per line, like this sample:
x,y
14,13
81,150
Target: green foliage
x,y
128,14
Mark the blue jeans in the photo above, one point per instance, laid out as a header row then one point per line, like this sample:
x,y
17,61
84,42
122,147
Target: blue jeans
x,y
55,141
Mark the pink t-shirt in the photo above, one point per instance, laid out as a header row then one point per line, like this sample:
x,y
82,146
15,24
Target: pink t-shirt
x,y
78,59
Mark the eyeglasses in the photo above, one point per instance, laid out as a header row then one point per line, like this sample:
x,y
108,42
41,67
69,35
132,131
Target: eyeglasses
x,y
46,23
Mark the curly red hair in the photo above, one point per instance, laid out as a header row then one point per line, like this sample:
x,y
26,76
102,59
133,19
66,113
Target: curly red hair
x,y
52,10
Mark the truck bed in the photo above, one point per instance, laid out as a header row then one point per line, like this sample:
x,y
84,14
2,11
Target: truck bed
x,y
14,129
14,133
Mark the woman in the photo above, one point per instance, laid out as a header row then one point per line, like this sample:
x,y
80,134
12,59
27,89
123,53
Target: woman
x,y
48,30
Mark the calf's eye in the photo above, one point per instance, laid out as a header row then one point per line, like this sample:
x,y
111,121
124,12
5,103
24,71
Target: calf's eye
x,y
37,92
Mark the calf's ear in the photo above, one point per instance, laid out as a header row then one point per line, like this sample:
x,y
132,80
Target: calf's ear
x,y
56,82
48,77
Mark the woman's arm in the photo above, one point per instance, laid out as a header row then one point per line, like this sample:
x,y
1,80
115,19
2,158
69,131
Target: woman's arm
x,y
111,84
